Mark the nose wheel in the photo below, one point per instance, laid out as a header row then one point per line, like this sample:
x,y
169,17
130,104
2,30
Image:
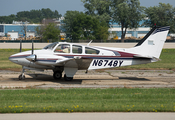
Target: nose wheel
x,y
22,75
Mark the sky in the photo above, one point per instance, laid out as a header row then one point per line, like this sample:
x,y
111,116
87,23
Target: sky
x,y
8,7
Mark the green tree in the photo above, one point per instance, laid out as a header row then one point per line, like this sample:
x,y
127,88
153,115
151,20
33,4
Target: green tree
x,y
78,26
162,15
7,19
67,25
83,26
100,9
88,27
32,16
127,13
101,32
51,31
24,29
40,30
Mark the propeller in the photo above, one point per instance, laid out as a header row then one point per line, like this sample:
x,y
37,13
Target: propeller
x,y
20,46
32,57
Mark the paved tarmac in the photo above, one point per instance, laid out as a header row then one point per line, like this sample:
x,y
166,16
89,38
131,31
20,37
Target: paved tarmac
x,y
89,116
42,45
94,79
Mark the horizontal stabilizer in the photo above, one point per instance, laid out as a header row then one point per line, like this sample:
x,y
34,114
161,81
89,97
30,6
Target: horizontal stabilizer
x,y
147,57
141,56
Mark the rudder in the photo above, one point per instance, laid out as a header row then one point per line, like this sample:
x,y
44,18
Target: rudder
x,y
152,44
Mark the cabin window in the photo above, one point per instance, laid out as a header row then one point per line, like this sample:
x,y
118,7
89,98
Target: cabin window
x,y
51,46
63,48
77,49
91,51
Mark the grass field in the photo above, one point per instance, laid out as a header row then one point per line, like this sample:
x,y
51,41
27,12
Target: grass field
x,y
5,63
87,100
167,61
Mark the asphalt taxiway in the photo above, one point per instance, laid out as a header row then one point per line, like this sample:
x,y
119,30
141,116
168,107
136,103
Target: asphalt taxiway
x,y
94,79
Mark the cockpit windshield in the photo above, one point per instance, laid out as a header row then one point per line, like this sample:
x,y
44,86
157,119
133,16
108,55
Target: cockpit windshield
x,y
51,46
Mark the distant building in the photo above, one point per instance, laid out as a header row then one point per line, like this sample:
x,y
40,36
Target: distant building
x,y
137,33
14,31
53,20
20,22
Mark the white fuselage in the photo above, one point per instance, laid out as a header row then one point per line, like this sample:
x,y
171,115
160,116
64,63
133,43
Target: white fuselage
x,y
70,57
107,58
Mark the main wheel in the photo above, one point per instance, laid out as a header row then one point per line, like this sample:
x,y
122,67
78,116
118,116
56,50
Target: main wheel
x,y
57,75
67,78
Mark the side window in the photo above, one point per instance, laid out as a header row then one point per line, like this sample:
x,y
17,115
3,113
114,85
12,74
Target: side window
x,y
77,49
91,51
63,48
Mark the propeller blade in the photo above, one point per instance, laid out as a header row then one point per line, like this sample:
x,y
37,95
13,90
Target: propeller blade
x,y
20,46
32,57
32,47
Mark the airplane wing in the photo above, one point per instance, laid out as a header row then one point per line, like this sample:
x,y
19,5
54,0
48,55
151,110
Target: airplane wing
x,y
77,62
62,62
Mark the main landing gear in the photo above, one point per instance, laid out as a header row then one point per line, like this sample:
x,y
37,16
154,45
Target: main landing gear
x,y
58,75
67,78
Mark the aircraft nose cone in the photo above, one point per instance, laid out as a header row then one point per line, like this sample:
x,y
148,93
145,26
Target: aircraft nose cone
x,y
13,59
31,58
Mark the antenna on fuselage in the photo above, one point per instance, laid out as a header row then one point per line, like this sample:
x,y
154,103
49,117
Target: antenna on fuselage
x,y
89,42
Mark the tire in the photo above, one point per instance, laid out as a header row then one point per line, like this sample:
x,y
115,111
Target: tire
x,y
21,77
57,75
67,78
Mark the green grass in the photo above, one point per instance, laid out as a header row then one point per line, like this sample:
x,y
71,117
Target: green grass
x,y
167,60
88,100
4,55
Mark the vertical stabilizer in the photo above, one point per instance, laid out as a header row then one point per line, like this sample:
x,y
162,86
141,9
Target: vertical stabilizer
x,y
152,44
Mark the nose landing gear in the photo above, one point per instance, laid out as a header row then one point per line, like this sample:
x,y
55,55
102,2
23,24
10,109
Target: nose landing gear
x,y
22,75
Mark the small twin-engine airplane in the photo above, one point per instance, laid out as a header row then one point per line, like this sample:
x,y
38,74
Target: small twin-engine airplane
x,y
70,57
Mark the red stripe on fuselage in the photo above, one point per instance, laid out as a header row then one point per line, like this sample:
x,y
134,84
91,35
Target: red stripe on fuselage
x,y
123,54
20,56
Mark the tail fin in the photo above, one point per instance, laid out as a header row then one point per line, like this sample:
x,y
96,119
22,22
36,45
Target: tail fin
x,y
152,44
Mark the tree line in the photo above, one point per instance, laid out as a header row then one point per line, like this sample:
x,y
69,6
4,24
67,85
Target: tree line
x,y
99,15
32,16
126,13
